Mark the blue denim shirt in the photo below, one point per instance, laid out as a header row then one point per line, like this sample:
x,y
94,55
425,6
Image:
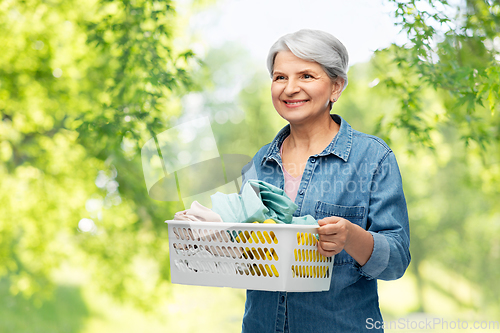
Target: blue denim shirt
x,y
356,177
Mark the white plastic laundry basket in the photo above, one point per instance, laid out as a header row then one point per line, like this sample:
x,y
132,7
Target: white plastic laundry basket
x,y
278,257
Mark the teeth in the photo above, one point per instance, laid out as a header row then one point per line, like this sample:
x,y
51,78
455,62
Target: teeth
x,y
294,103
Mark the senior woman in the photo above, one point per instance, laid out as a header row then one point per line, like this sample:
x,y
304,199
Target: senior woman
x,y
349,181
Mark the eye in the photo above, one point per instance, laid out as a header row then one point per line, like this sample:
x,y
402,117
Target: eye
x,y
279,77
308,76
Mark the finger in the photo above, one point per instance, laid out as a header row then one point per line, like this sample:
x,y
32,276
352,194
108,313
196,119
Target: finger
x,y
329,229
330,245
322,222
337,240
329,220
324,252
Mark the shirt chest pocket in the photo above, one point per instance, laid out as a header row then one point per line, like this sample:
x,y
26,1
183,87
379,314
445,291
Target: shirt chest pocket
x,y
354,214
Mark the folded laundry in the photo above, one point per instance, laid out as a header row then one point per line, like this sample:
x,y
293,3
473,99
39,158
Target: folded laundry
x,y
259,201
306,219
198,212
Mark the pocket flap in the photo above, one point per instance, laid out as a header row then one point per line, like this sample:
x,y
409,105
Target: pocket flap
x,y
341,211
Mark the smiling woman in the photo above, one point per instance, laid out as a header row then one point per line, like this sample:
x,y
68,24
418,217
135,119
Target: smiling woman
x,y
316,159
301,90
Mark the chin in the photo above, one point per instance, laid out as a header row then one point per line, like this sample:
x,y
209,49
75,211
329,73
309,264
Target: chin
x,y
294,120
295,116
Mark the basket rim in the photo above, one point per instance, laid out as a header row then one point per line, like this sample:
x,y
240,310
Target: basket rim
x,y
227,225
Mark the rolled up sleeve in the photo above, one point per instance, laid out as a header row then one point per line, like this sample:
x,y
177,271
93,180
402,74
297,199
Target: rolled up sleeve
x,y
388,223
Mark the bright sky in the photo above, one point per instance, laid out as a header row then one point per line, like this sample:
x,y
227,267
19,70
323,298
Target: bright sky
x,y
361,25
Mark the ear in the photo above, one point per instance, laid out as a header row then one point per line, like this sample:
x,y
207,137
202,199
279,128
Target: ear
x,y
338,85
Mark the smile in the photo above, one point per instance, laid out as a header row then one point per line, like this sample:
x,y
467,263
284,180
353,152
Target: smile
x,y
295,103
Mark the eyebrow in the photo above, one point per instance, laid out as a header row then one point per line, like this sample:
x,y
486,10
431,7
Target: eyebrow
x,y
307,70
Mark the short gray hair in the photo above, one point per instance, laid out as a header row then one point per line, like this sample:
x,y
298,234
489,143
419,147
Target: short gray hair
x,y
317,46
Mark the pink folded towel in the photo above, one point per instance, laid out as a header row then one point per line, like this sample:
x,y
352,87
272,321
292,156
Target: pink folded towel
x,y
198,212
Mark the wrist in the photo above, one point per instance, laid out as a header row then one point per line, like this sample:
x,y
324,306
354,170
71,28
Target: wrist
x,y
351,230
359,243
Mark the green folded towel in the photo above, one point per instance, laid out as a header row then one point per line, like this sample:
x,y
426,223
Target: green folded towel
x,y
306,219
258,201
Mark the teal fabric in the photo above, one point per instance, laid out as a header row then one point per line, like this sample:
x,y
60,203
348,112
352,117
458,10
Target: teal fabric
x,y
307,219
258,201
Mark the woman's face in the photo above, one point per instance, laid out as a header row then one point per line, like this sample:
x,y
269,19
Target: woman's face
x,y
301,90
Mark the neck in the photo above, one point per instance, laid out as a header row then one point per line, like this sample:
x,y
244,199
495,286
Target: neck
x,y
312,138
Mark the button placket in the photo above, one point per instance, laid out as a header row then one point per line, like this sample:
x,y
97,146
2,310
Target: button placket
x,y
281,313
306,177
308,172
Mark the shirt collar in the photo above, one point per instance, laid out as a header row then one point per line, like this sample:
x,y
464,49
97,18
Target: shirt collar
x,y
340,145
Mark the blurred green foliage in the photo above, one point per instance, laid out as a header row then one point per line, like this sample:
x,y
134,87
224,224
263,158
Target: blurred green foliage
x,y
65,312
446,84
84,84
454,48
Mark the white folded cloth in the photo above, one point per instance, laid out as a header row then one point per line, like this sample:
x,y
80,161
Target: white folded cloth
x,y
198,212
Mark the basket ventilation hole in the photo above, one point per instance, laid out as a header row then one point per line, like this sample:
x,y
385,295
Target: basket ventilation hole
x,y
207,236
231,252
256,270
268,238
185,234
196,236
176,233
190,232
273,237
259,253
262,255
206,251
255,253
241,238
214,252
249,253
310,255
247,236
261,238
307,239
299,271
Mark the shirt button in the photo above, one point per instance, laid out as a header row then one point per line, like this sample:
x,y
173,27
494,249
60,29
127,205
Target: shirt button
x,y
301,192
313,160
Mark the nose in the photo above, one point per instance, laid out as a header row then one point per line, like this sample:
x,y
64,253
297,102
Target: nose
x,y
292,87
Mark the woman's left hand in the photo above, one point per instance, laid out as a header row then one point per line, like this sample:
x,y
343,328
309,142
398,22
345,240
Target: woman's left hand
x,y
334,235
337,234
